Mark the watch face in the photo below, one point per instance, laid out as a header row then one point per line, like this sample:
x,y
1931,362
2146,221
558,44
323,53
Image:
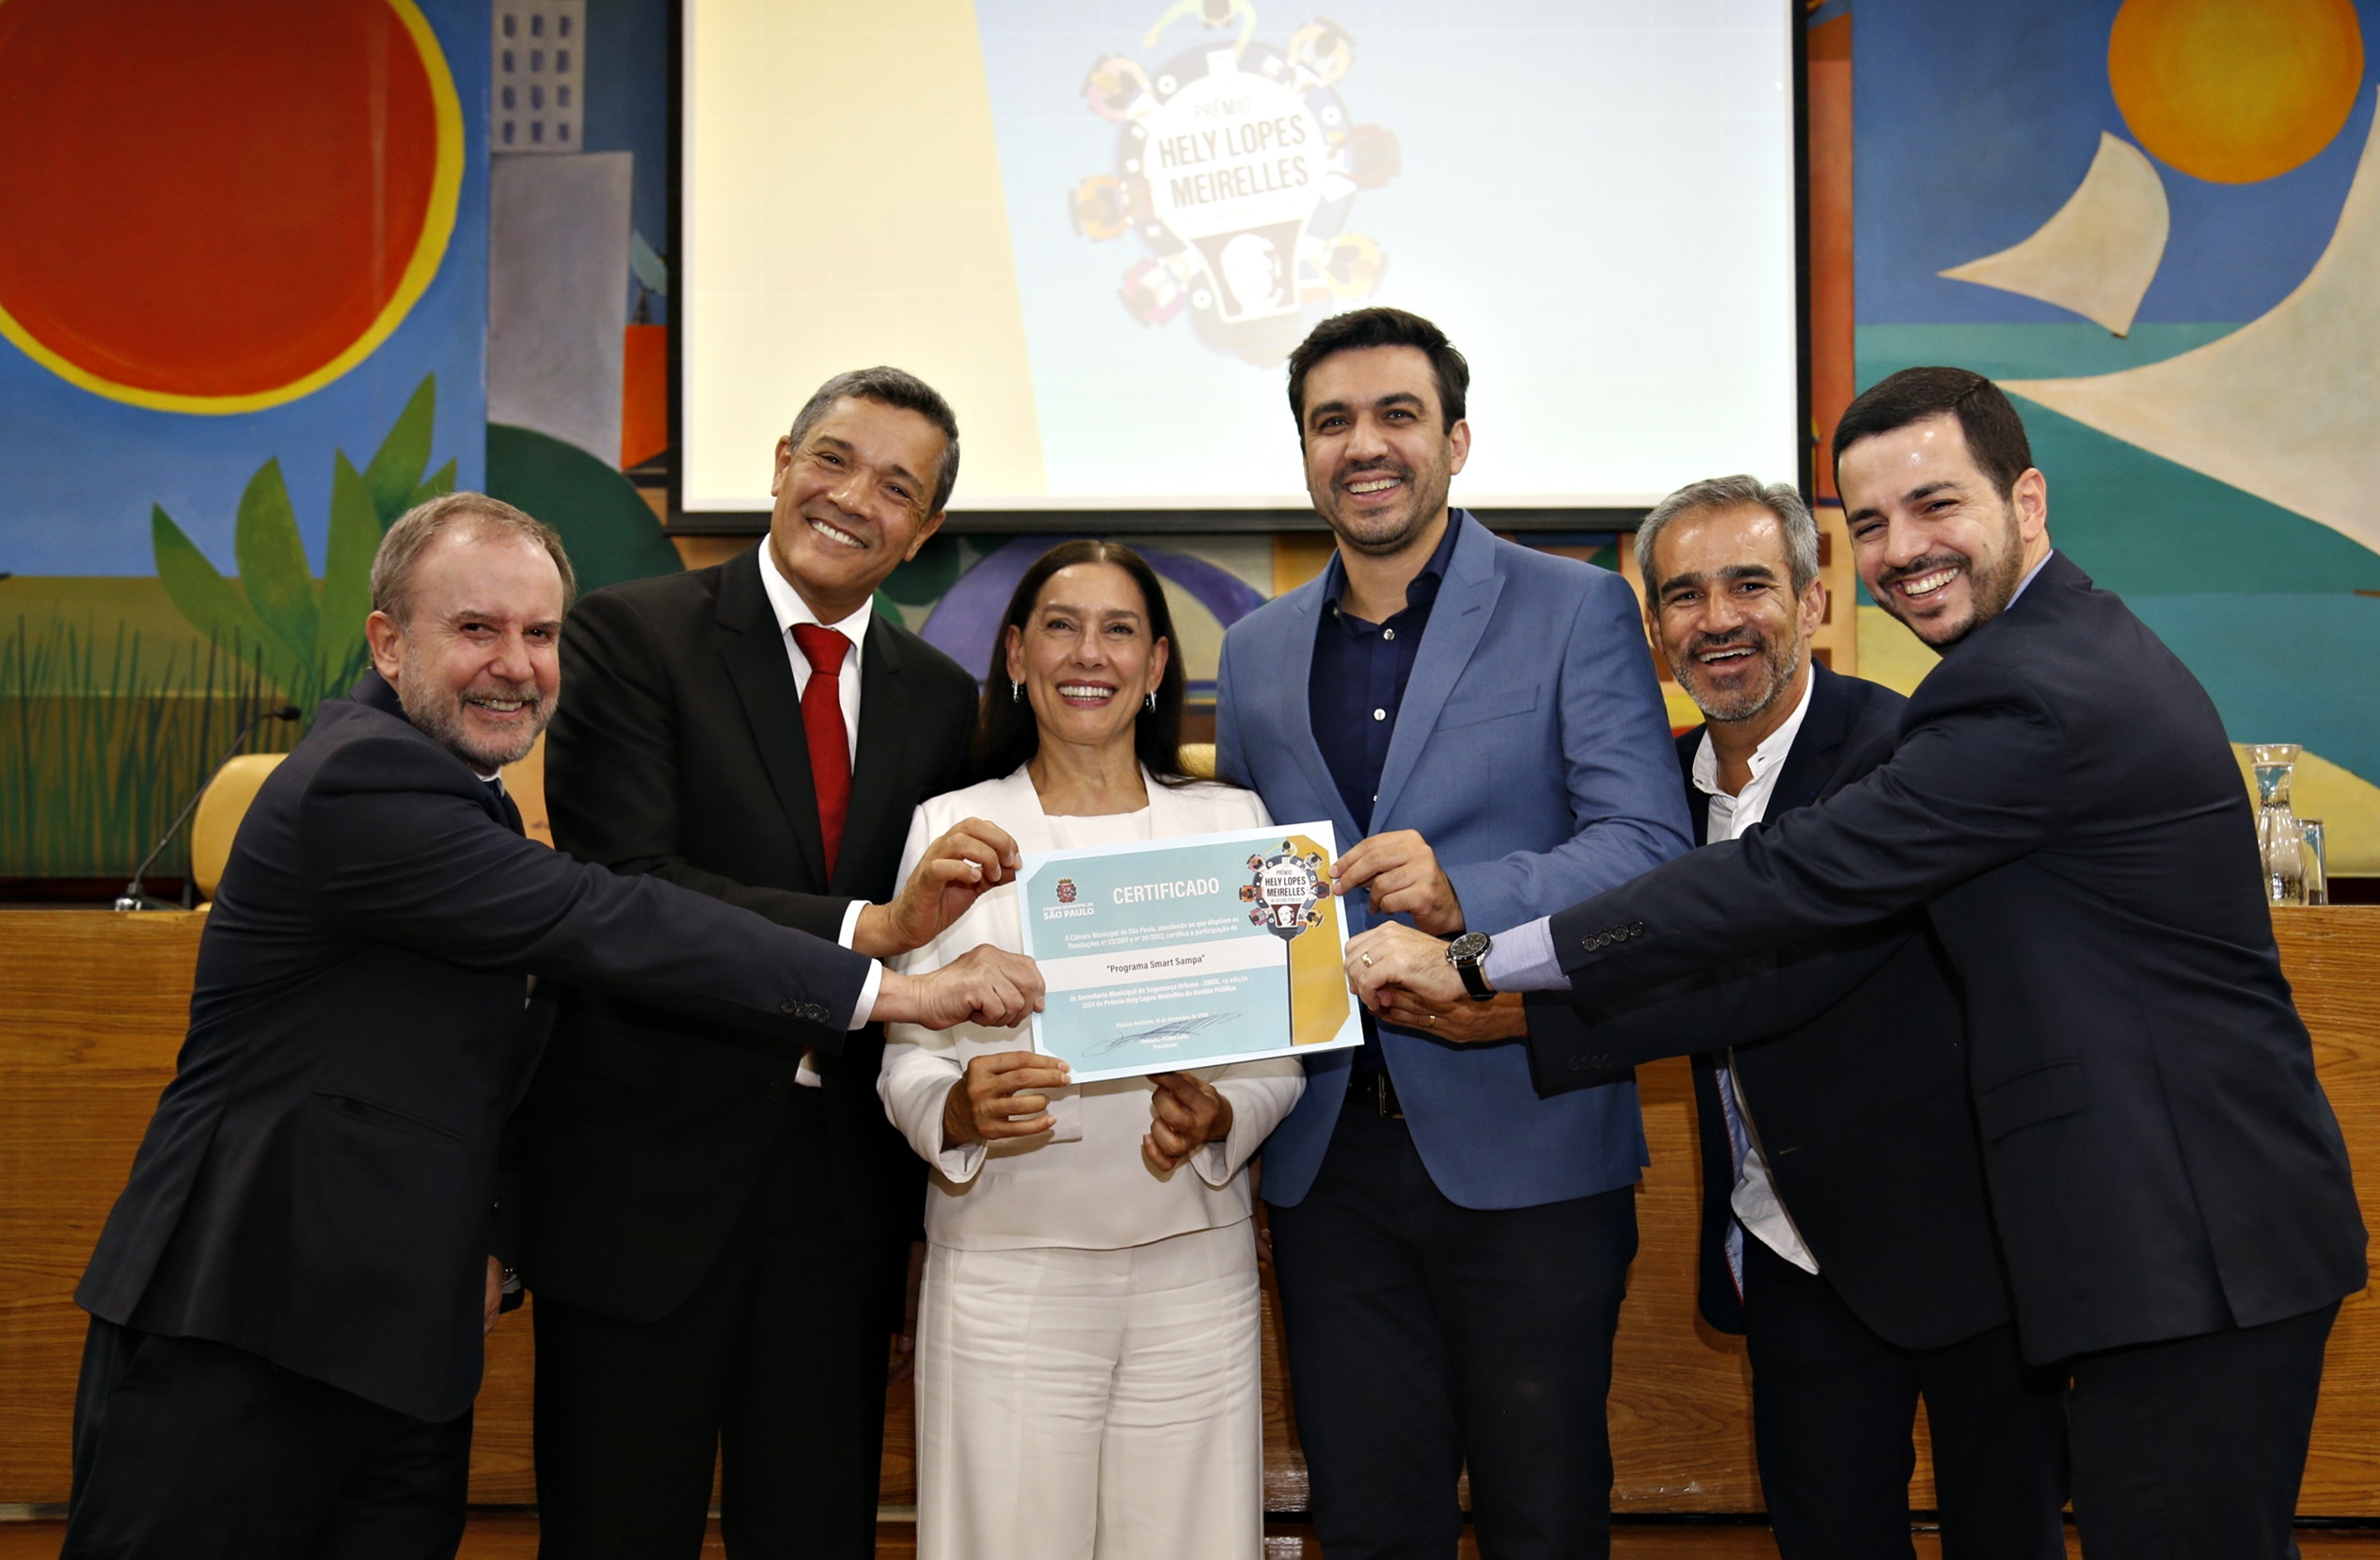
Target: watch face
x,y
1471,945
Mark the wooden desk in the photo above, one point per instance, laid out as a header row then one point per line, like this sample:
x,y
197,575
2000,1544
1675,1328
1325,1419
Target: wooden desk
x,y
92,1007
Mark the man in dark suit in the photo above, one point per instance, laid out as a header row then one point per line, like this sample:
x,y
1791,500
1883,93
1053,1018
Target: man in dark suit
x,y
2170,1186
717,1231
288,1299
1845,1226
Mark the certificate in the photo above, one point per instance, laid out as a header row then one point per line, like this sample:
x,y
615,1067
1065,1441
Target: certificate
x,y
1188,952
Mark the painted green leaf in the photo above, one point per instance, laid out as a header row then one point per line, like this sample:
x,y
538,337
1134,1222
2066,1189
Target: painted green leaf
x,y
271,557
396,469
213,604
442,481
354,536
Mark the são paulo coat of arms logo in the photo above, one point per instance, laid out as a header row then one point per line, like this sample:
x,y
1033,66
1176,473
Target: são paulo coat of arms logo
x,y
1066,890
1237,166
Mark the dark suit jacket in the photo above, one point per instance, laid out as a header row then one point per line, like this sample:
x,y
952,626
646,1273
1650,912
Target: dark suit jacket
x,y
1862,1109
2162,1160
679,753
317,1184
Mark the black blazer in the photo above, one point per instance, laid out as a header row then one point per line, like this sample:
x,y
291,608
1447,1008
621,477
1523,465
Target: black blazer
x,y
2062,801
1862,1109
679,753
317,1184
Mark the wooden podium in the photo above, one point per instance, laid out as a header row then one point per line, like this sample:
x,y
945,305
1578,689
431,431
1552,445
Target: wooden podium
x,y
93,1004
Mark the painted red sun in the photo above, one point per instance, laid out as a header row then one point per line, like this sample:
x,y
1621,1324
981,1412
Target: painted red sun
x,y
214,208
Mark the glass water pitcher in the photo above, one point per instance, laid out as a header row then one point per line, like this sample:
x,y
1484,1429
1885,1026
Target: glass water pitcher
x,y
2278,839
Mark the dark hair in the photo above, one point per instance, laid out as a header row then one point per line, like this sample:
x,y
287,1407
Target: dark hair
x,y
890,386
1370,328
1006,734
1995,433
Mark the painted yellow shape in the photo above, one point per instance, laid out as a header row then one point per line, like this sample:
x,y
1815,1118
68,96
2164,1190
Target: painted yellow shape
x,y
1318,982
2099,253
1890,654
2347,804
429,251
2235,90
2287,407
850,175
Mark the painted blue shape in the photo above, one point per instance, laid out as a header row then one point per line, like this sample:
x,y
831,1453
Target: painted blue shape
x,y
1973,123
82,469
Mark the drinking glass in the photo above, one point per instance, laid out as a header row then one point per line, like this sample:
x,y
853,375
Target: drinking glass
x,y
2278,840
2310,829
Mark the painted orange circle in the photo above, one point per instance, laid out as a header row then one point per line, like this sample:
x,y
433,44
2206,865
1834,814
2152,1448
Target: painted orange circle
x,y
2233,92
217,208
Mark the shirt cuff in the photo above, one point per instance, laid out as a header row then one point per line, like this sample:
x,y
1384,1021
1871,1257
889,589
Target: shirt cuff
x,y
874,983
851,925
1211,1159
1522,960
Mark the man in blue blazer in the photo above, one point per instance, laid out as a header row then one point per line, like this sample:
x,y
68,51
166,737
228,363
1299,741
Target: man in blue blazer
x,y
2168,1182
1483,722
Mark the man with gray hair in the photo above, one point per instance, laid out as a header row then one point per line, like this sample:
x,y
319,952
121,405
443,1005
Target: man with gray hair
x,y
1846,1233
1843,1215
718,1237
288,1299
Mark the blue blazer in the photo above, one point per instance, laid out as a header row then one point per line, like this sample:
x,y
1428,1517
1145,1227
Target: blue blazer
x,y
1534,754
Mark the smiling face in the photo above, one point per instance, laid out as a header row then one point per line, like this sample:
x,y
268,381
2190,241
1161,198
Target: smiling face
x,y
851,501
1724,609
1379,458
476,664
1935,543
1086,656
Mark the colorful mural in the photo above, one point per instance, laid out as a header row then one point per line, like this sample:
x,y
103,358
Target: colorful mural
x,y
2157,224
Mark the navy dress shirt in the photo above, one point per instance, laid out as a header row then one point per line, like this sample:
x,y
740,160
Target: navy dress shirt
x,y
1352,694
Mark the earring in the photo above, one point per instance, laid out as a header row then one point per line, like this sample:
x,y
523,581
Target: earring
x,y
1016,692
1152,704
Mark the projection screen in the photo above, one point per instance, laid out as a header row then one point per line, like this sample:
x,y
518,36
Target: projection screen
x,y
1098,228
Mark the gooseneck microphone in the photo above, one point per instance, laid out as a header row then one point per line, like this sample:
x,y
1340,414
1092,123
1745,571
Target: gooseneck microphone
x,y
132,897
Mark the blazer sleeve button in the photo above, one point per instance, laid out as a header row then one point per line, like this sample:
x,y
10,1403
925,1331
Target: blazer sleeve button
x,y
791,1009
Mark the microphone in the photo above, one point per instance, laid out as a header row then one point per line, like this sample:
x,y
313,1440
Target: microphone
x,y
132,897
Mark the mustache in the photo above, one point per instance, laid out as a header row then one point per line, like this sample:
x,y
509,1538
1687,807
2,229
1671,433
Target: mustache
x,y
1380,467
1743,637
1932,561
528,693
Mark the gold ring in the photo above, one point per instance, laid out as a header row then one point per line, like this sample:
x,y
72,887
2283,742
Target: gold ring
x,y
1367,960
1434,1018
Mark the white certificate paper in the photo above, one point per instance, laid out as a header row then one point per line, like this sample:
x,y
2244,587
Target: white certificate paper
x,y
1188,952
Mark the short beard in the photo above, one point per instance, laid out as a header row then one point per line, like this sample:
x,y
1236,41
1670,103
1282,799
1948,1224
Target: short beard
x,y
1425,508
1782,662
440,719
1991,586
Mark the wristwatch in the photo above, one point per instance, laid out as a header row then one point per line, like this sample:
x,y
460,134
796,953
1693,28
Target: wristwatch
x,y
1468,955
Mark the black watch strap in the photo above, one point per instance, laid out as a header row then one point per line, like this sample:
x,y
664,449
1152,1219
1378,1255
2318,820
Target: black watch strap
x,y
1467,953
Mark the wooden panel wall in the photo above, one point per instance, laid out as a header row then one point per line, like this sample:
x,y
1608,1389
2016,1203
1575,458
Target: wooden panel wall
x,y
92,1007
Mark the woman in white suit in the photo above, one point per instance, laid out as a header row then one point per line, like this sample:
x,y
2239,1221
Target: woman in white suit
x,y
1086,1352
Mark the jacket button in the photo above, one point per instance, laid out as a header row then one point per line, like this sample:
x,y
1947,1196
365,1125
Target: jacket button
x,y
789,1009
1636,929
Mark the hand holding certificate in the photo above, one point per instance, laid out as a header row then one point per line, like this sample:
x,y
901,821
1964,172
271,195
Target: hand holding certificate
x,y
1188,952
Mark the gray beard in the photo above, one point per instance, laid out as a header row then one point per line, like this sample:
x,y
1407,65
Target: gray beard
x,y
441,721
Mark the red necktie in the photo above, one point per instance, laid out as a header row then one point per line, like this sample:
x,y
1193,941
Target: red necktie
x,y
830,740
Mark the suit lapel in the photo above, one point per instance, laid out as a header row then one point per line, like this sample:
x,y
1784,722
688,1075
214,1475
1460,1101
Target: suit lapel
x,y
1810,763
1697,799
752,647
883,741
1465,599
1294,716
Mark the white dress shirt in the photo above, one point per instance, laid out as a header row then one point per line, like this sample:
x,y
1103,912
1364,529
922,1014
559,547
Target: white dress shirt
x,y
1754,1200
786,603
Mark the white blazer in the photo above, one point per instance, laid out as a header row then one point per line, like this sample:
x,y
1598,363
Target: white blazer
x,y
1084,1183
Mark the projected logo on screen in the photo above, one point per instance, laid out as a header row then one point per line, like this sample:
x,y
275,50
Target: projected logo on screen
x,y
1238,168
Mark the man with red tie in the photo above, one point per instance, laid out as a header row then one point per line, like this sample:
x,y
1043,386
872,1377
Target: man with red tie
x,y
716,1239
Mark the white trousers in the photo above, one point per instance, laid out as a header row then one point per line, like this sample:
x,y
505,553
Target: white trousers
x,y
1078,1405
